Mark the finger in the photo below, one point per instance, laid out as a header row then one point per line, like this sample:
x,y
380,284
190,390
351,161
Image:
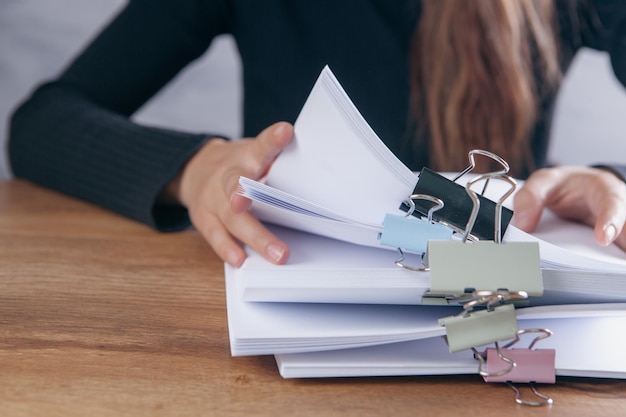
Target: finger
x,y
608,203
222,231
254,234
222,242
239,203
531,199
620,241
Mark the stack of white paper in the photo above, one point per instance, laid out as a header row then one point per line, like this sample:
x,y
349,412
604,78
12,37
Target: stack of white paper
x,y
343,309
258,328
333,340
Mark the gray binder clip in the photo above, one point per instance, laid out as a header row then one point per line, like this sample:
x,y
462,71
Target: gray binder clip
x,y
461,267
410,233
470,329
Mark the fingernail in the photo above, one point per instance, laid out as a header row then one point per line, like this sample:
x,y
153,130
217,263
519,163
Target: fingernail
x,y
610,233
275,252
234,258
279,129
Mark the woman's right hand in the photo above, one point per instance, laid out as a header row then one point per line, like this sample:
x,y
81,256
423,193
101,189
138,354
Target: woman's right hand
x,y
207,188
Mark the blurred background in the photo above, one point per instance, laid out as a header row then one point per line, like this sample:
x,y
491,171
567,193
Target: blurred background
x,y
37,38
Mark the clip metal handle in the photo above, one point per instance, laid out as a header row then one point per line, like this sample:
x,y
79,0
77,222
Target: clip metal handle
x,y
472,158
497,233
545,400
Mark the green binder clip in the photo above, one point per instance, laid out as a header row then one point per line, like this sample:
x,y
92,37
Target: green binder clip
x,y
457,268
471,329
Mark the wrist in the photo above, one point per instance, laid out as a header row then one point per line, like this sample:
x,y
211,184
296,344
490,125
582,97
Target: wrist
x,y
171,192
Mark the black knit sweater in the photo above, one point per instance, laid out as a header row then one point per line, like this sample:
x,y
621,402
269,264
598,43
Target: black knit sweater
x,y
75,134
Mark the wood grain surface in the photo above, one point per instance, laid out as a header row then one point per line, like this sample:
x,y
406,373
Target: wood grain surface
x,y
102,316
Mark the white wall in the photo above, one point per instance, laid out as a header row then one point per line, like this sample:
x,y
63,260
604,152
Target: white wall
x,y
590,124
38,37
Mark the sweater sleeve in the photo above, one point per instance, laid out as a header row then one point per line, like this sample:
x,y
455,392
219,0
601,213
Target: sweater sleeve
x,y
76,135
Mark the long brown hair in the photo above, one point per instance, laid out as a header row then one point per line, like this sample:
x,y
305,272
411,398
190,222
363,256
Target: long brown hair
x,y
474,67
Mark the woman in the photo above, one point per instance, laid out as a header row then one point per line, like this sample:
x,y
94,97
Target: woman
x,y
434,78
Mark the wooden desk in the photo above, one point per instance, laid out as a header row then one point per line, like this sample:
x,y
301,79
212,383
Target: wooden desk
x,y
100,315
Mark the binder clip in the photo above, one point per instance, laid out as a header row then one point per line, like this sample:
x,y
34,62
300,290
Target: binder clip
x,y
410,233
482,327
531,366
457,203
458,268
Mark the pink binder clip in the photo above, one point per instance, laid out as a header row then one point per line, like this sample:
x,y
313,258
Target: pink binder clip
x,y
531,366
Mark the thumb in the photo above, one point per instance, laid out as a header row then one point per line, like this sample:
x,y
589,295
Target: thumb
x,y
264,150
529,203
271,141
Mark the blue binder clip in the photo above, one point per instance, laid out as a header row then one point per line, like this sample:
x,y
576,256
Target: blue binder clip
x,y
410,233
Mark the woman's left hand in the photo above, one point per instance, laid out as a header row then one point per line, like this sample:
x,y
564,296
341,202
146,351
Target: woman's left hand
x,y
593,196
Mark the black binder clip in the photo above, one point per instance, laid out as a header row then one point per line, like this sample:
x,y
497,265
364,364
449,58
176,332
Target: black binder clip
x,y
458,205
